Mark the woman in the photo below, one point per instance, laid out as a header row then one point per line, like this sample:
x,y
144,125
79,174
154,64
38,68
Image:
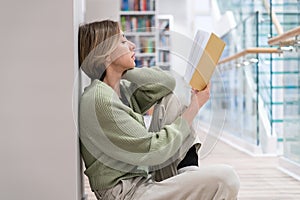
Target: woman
x,y
116,147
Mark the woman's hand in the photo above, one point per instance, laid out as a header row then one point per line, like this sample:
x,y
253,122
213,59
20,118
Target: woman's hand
x,y
198,99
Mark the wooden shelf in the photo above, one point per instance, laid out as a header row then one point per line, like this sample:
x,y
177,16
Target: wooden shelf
x,y
165,24
145,54
137,12
140,33
138,20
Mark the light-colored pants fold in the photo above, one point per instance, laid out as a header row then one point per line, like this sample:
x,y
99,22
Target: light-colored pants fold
x,y
165,112
216,182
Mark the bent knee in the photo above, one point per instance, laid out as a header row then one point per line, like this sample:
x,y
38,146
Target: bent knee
x,y
224,176
229,178
219,181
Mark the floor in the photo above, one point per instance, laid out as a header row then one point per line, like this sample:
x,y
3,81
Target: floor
x,y
260,178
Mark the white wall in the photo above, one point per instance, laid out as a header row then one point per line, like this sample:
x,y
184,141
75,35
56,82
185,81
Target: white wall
x,y
102,9
221,23
38,148
181,32
201,15
177,8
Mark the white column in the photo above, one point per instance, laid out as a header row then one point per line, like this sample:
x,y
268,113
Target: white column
x,y
38,147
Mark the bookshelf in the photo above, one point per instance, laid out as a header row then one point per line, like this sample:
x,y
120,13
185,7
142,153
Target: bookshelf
x,y
138,21
165,23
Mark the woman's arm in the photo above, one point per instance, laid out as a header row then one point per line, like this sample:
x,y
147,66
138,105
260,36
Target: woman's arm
x,y
116,130
198,99
148,85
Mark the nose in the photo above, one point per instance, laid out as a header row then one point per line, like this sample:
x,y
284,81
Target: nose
x,y
131,46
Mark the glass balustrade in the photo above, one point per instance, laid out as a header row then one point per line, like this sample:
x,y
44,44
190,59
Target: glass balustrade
x,y
259,93
268,85
287,71
234,94
291,104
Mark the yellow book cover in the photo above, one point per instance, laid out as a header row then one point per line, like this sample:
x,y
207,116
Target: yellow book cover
x,y
204,56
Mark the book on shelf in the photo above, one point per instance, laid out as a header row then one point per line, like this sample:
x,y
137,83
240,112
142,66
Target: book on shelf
x,y
145,62
137,23
204,56
137,5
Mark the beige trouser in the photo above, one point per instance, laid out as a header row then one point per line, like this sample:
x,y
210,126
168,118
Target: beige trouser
x,y
165,112
215,182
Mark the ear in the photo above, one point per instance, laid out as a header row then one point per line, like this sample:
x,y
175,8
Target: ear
x,y
108,60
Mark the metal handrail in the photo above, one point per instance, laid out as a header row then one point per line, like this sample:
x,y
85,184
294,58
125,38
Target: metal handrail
x,y
283,38
254,50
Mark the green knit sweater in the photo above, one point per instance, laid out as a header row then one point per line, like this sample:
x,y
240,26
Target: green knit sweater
x,y
115,144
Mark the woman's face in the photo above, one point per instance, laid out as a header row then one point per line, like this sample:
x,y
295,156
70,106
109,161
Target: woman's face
x,y
123,56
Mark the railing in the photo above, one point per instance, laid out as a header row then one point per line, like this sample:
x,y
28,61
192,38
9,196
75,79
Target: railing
x,y
291,91
234,88
256,84
244,86
254,50
284,38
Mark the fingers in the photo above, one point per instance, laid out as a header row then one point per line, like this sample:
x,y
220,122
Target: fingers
x,y
207,87
194,91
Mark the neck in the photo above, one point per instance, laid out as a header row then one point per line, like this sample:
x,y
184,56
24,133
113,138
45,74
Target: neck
x,y
113,79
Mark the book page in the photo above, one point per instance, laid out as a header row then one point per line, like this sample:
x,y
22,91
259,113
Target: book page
x,y
196,51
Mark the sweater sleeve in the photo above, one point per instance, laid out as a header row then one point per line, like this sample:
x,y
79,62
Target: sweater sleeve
x,y
127,140
148,85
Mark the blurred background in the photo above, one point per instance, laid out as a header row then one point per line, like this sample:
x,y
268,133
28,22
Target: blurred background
x,y
255,89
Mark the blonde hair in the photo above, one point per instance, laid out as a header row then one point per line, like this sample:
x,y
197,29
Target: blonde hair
x,y
96,41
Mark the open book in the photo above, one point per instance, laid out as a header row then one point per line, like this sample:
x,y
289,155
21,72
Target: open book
x,y
204,56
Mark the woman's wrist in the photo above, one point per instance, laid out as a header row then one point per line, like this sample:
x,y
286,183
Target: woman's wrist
x,y
190,113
